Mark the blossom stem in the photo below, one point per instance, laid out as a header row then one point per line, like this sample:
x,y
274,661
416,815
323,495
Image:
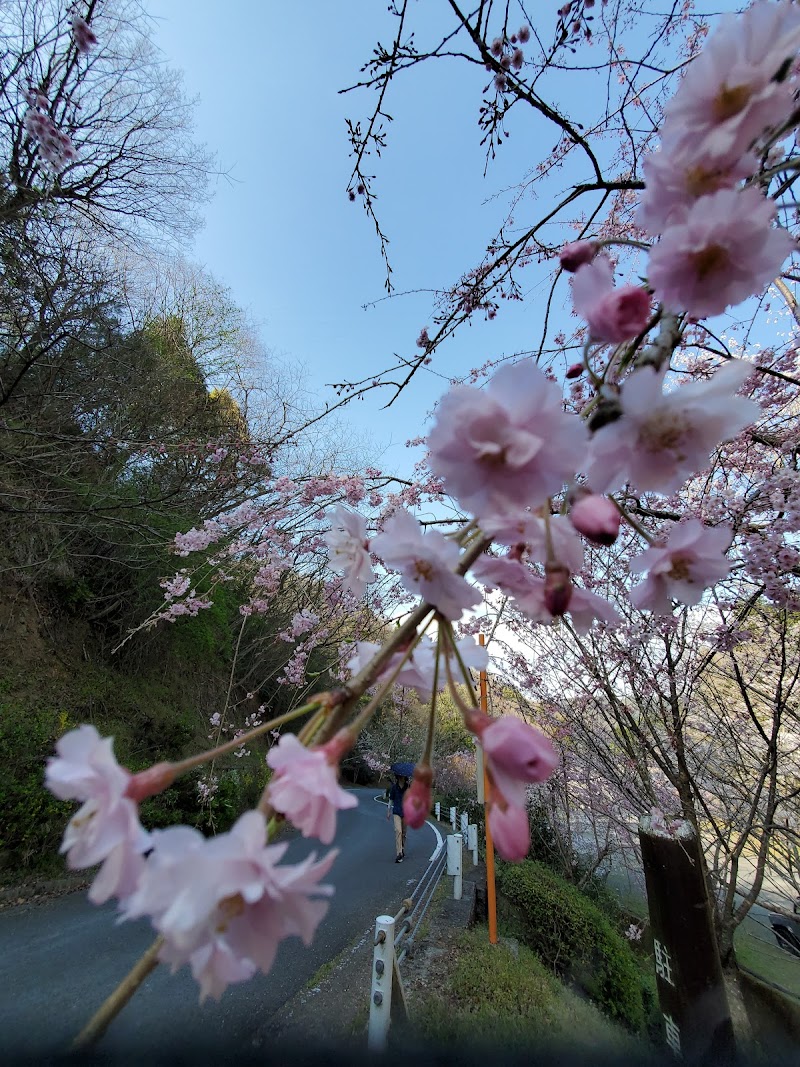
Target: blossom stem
x,y
366,713
428,752
628,241
637,526
468,682
113,1005
237,742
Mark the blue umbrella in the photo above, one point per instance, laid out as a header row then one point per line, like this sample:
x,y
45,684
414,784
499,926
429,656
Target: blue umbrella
x,y
403,769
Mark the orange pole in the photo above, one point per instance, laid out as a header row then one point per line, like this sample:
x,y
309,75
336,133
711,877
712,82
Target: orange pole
x,y
491,894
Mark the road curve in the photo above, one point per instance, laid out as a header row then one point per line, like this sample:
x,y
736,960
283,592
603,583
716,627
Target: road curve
x,y
59,960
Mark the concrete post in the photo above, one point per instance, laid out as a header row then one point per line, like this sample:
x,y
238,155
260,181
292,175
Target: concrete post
x,y
453,817
438,809
454,865
380,1000
472,841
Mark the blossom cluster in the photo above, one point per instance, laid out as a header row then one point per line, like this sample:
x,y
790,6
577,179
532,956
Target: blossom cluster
x,y
55,147
222,905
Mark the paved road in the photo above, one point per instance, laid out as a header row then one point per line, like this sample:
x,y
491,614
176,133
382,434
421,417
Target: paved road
x,y
59,960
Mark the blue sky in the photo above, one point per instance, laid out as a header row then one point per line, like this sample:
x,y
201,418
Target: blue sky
x,y
281,233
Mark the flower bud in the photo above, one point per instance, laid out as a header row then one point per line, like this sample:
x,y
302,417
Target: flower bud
x,y
557,588
575,371
577,253
597,518
510,831
150,782
417,800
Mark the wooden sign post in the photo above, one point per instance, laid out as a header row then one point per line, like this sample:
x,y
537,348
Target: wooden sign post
x,y
691,991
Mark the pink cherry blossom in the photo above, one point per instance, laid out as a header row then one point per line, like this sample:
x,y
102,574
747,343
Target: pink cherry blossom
x,y
347,544
586,608
614,315
508,446
677,177
532,532
516,580
596,517
516,753
661,439
305,788
83,34
224,904
577,253
426,561
722,252
692,560
106,829
730,94
510,830
418,671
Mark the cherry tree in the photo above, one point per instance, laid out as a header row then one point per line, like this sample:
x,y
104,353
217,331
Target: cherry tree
x,y
673,456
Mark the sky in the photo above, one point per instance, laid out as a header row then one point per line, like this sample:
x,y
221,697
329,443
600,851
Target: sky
x,y
280,231
304,261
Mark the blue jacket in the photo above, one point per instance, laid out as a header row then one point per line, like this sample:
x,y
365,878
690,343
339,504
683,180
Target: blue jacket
x,y
396,794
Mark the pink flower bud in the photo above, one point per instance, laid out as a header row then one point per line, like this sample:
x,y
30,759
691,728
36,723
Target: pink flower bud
x,y
510,831
620,314
150,782
597,518
557,588
577,253
417,800
516,753
575,371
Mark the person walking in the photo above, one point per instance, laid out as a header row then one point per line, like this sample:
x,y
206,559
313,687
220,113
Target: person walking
x,y
395,808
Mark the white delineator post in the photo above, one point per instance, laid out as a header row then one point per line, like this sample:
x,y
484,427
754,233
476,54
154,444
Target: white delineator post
x,y
455,844
472,841
380,997
453,817
438,811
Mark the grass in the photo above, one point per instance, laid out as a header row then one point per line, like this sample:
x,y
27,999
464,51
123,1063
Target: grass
x,y
503,994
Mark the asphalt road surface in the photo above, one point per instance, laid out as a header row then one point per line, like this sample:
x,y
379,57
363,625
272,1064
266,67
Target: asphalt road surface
x,y
60,960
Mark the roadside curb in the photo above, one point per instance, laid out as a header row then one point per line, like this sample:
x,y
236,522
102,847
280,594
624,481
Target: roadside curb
x,y
11,896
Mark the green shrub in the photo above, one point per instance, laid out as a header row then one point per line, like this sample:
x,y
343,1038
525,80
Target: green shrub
x,y
569,933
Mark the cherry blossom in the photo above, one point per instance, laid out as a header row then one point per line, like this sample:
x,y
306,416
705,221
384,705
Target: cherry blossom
x,y
722,252
540,539
516,753
425,561
596,517
731,93
348,546
106,829
508,446
661,439
510,829
82,33
224,904
677,177
305,788
613,314
692,559
577,253
419,670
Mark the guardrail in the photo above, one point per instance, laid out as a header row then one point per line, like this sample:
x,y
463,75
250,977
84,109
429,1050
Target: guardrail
x,y
395,934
